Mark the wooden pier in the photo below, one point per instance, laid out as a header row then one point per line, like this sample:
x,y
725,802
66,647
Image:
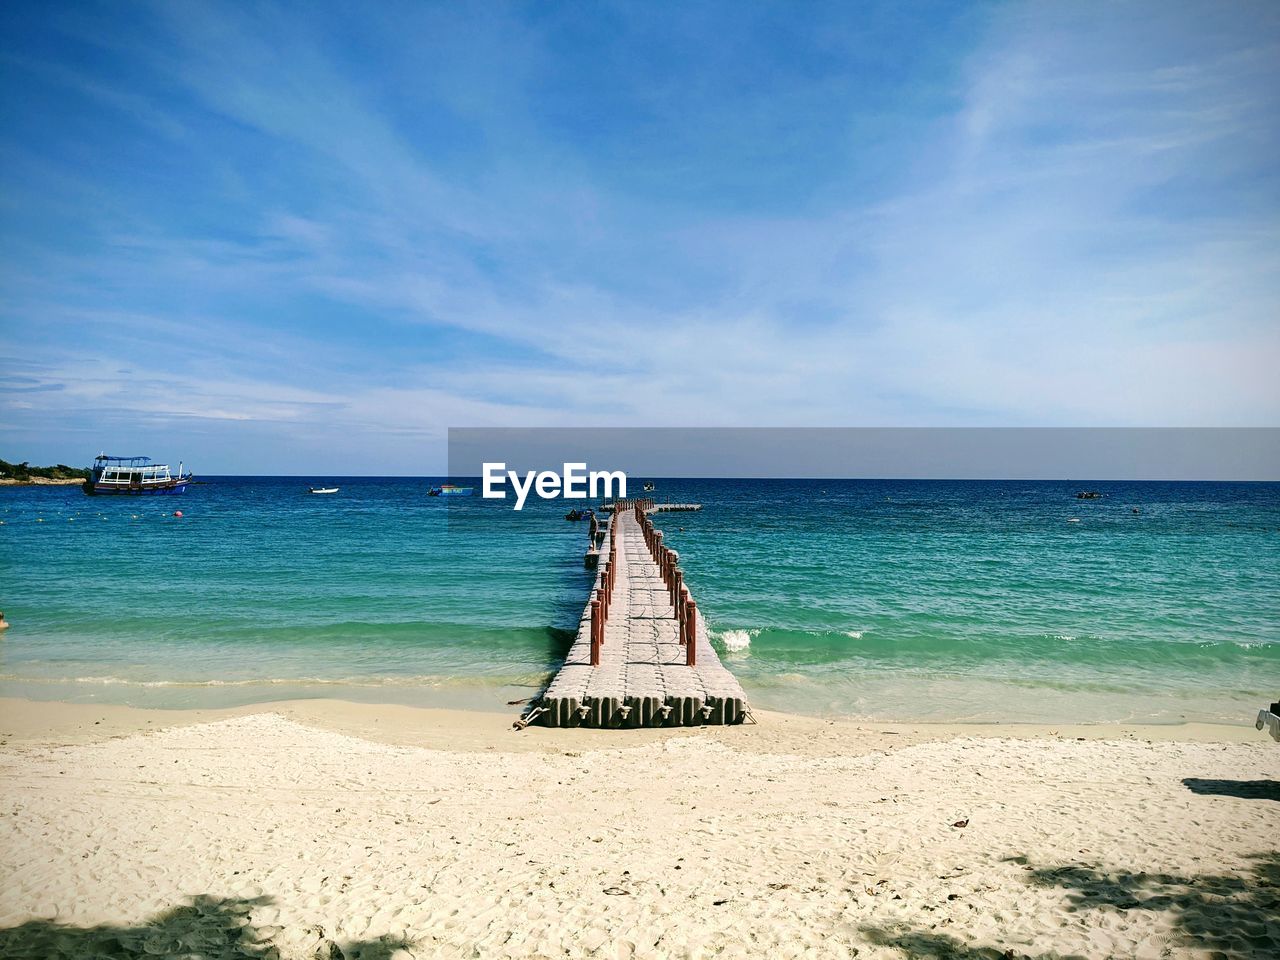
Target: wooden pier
x,y
652,506
642,657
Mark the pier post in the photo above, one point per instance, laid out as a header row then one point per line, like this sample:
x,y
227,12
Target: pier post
x,y
691,633
677,584
602,598
597,633
680,615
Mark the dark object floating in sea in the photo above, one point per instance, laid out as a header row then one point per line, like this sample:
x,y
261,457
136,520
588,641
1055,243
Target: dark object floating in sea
x,y
1088,495
579,514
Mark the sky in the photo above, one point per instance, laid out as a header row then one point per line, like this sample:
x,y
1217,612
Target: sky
x,y
287,238
929,453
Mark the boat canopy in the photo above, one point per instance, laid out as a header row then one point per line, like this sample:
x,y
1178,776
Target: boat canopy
x,y
131,461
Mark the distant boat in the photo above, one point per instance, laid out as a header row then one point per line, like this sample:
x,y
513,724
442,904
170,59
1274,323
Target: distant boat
x,y
450,490
133,476
648,487
323,489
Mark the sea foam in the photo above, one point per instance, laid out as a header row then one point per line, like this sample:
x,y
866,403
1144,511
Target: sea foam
x,y
736,640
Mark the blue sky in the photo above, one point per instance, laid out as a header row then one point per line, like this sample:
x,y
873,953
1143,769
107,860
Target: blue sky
x,y
286,238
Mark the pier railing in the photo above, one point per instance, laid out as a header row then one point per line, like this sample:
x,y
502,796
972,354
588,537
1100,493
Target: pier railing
x,y
682,602
604,597
668,563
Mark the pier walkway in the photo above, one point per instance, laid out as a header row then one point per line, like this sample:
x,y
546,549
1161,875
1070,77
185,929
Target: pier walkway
x,y
642,657
653,507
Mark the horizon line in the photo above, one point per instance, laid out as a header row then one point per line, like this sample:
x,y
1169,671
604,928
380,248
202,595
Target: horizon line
x,y
984,479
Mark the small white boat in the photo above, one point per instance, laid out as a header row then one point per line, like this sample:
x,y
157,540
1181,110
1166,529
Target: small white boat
x,y
323,489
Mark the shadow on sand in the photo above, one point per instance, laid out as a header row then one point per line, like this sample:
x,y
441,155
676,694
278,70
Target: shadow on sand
x,y
1244,789
207,928
1231,916
919,944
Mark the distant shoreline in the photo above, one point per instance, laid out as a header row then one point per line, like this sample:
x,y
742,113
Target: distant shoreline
x,y
41,482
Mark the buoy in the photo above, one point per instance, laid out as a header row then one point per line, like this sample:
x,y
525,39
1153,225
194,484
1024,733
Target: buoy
x,y
177,513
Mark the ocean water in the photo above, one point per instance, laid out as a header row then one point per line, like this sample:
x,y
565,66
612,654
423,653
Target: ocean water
x,y
889,600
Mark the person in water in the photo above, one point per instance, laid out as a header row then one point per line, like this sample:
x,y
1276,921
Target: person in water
x,y
4,624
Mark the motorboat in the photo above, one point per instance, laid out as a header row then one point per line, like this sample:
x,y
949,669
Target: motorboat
x,y
133,476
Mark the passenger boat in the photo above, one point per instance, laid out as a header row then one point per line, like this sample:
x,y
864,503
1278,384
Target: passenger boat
x,y
133,476
322,489
450,490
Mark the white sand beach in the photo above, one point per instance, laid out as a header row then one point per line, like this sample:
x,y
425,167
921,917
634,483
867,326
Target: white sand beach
x,y
327,829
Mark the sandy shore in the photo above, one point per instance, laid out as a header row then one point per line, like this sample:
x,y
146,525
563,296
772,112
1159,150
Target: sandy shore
x,y
329,829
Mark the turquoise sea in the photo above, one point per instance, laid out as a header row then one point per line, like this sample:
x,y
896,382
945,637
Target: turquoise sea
x,y
891,600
